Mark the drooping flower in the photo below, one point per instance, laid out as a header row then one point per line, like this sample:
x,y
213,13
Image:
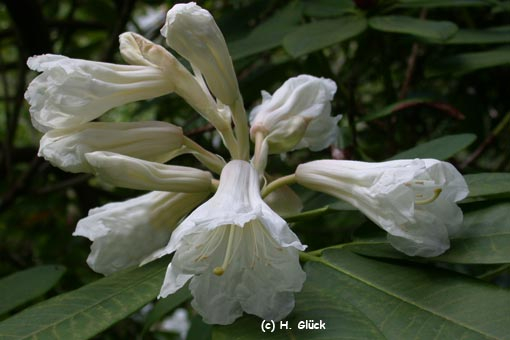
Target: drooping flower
x,y
297,115
238,253
125,233
413,200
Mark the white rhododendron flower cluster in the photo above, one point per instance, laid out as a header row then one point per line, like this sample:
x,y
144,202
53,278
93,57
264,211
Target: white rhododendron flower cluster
x,y
227,235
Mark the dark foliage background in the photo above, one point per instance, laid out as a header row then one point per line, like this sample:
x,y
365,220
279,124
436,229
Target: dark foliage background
x,y
395,91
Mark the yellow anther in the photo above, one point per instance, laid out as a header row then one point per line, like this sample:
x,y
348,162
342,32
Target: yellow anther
x,y
218,271
228,253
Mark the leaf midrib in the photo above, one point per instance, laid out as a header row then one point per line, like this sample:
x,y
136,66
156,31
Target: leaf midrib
x,y
400,298
71,316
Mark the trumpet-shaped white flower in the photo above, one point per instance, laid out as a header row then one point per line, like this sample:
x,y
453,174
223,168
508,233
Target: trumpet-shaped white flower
x,y
297,115
413,200
71,92
133,173
192,32
238,253
125,233
151,141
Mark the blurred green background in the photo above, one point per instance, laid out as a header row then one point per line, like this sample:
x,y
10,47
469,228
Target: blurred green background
x,y
408,72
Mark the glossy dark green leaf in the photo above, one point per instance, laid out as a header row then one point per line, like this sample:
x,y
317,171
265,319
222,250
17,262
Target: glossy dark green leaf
x,y
488,185
23,286
199,330
469,62
320,34
85,312
442,3
269,34
483,239
328,8
440,30
361,298
495,35
441,148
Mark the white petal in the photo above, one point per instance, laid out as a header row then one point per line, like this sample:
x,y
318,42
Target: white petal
x,y
233,205
151,141
125,233
133,173
306,97
192,32
237,231
321,132
413,200
137,50
260,278
71,92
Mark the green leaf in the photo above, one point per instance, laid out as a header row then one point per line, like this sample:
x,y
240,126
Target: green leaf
x,y
494,35
328,8
488,185
85,312
165,306
23,286
199,330
442,3
440,148
309,214
269,34
320,34
362,298
468,62
484,239
440,30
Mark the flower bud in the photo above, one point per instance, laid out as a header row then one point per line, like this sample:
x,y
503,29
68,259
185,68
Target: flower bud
x,y
133,173
138,50
297,115
192,32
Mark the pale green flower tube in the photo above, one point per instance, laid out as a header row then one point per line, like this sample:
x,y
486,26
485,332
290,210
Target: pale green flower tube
x,y
128,172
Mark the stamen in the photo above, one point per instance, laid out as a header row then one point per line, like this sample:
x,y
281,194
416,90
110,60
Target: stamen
x,y
420,184
431,199
228,253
